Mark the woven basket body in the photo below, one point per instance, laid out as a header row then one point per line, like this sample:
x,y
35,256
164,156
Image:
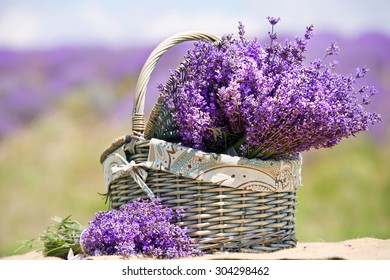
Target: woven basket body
x,y
256,215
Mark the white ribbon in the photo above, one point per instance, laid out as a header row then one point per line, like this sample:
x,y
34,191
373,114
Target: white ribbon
x,y
116,166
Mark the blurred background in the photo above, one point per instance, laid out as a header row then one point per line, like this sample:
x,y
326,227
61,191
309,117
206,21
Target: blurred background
x,y
67,77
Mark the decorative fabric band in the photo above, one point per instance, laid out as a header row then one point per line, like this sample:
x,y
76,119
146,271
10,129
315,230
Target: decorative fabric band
x,y
219,169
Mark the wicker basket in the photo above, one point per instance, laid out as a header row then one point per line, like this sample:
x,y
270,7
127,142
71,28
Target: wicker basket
x,y
257,216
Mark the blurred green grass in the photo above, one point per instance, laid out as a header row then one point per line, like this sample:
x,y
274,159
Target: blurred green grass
x,y
346,191
52,168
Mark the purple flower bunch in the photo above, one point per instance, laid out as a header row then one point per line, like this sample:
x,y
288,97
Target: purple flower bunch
x,y
141,227
262,99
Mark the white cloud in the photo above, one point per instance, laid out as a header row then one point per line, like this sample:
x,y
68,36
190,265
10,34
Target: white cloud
x,y
99,24
19,26
44,23
168,24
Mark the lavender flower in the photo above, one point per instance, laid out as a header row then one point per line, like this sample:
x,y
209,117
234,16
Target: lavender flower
x,y
309,32
141,227
333,49
273,20
264,100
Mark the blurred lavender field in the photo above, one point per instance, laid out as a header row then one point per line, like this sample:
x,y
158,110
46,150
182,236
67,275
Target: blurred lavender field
x,y
32,82
60,108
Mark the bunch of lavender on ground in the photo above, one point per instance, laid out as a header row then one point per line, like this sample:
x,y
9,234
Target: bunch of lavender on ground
x,y
58,239
141,227
263,100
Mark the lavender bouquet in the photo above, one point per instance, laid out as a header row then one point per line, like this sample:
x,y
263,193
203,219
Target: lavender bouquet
x,y
141,227
263,101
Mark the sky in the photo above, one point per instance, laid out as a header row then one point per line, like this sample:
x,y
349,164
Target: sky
x,y
116,23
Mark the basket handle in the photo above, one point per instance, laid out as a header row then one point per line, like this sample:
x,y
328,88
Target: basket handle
x,y
138,118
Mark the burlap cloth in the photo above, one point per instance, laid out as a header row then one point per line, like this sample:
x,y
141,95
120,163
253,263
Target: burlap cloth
x,y
356,249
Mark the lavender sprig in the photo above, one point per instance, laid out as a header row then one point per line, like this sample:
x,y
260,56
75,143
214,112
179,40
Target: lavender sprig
x,y
263,99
